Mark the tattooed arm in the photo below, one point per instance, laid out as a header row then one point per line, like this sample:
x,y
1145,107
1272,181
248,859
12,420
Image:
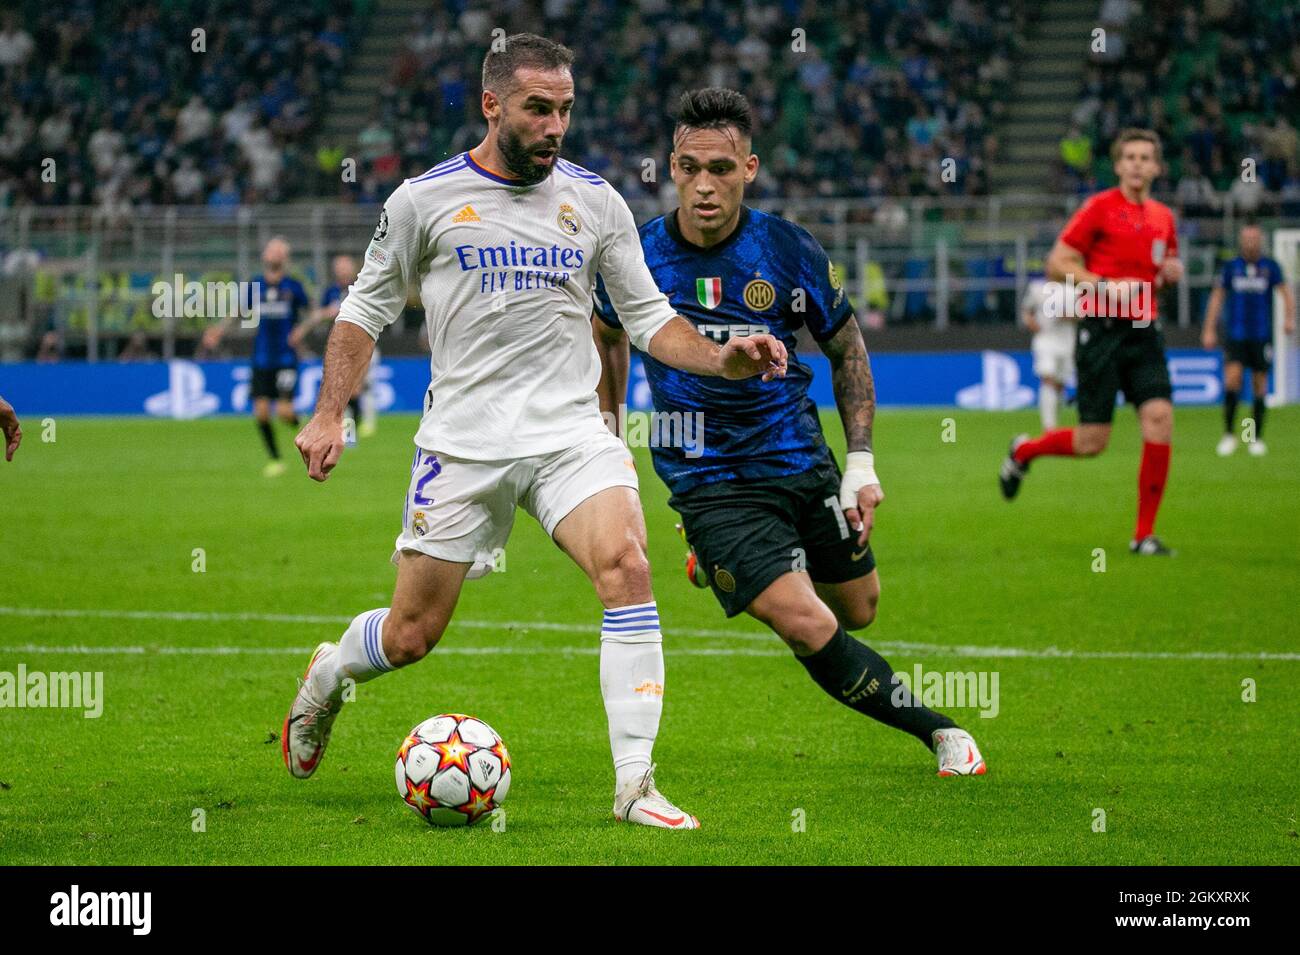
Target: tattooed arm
x,y
855,392
855,396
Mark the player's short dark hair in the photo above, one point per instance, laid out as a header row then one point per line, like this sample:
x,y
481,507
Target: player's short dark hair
x,y
522,51
714,107
1135,135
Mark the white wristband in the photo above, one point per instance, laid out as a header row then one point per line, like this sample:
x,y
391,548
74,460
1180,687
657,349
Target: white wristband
x,y
859,472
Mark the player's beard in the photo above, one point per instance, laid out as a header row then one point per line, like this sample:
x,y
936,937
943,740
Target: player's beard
x,y
518,157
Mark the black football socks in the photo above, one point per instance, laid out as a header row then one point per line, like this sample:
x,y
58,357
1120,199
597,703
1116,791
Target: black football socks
x,y
856,675
268,436
1230,399
1259,417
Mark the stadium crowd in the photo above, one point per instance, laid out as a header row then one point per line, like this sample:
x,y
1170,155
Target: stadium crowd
x,y
862,99
1219,80
136,108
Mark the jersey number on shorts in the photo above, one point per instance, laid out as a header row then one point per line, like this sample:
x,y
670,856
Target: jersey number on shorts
x,y
834,504
435,468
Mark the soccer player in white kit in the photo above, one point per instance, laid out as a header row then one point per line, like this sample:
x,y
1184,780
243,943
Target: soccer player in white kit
x,y
1052,346
504,243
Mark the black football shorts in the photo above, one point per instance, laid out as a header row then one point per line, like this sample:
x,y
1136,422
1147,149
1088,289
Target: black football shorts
x,y
746,534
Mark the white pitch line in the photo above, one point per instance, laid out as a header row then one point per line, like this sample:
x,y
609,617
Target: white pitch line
x,y
36,648
900,646
201,616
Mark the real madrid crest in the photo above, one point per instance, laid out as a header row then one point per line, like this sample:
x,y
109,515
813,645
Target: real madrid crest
x,y
568,220
759,295
420,525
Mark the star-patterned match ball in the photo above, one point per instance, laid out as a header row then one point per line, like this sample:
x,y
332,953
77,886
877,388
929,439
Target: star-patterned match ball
x,y
453,770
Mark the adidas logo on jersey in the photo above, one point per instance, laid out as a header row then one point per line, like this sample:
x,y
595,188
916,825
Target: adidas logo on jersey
x,y
466,215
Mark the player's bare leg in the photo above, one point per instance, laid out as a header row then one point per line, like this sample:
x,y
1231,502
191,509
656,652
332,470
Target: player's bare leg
x,y
1259,389
605,536
1156,417
1091,440
376,642
853,602
855,675
284,411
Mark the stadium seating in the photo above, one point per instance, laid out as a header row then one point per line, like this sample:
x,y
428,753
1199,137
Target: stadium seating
x,y
183,102
1217,79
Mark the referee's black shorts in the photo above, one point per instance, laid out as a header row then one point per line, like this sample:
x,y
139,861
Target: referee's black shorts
x,y
1114,355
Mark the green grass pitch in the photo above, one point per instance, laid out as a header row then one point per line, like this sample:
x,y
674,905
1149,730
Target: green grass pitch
x,y
1140,714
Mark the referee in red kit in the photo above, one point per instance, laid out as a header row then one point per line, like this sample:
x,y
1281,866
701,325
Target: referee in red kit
x,y
1116,251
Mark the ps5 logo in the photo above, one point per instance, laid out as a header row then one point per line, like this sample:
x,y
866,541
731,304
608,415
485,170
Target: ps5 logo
x,y
999,388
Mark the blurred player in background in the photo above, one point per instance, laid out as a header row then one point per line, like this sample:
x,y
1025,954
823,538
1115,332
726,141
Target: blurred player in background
x,y
361,411
1116,250
9,426
504,242
280,302
1246,285
1052,347
778,531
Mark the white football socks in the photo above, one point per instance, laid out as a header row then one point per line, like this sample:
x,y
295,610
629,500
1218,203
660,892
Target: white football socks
x,y
632,685
1048,402
360,655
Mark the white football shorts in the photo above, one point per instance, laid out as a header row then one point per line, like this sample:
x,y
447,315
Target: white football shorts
x,y
461,510
1054,355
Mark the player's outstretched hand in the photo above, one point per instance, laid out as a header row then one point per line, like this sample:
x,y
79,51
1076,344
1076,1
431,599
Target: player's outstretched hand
x,y
9,425
320,443
747,356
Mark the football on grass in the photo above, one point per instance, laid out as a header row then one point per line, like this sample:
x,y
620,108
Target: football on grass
x,y
453,770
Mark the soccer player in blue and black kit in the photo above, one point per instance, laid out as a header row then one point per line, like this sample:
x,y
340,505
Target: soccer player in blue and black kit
x,y
344,269
280,302
780,533
1246,286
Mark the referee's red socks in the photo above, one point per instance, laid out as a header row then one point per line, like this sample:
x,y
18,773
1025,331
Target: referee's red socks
x,y
1060,441
1152,474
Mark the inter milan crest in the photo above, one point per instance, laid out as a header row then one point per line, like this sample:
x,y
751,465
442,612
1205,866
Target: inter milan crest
x,y
759,295
381,230
709,292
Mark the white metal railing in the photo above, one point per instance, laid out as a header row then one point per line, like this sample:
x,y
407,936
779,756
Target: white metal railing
x,y
934,258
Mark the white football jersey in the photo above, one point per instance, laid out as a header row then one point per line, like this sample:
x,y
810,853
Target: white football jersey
x,y
506,275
